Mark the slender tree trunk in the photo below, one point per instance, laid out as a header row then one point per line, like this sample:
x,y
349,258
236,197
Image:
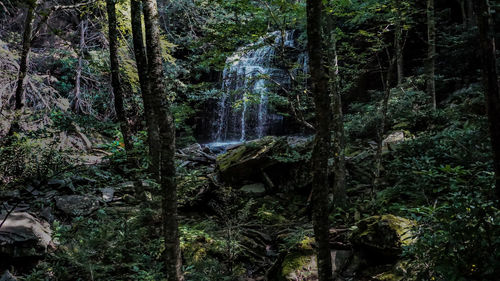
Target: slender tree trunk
x,y
398,42
142,68
471,19
431,52
490,81
23,66
387,80
115,75
338,136
321,150
77,100
167,137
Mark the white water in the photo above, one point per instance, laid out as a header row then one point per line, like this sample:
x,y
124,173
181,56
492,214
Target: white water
x,y
242,111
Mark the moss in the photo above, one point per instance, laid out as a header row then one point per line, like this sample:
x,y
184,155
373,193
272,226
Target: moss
x,y
388,276
294,262
225,160
307,243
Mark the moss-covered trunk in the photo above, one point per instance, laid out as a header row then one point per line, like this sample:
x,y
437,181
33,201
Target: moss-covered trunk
x,y
115,74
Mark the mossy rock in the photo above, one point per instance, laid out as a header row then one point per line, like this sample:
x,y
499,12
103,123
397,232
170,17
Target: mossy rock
x,y
282,159
244,162
299,266
383,236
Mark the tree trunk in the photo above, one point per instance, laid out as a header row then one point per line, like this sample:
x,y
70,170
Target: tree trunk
x,y
23,65
321,150
398,42
490,81
142,68
115,75
431,52
338,136
167,137
387,80
76,103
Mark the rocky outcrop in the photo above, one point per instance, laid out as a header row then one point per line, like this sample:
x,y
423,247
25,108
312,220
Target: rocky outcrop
x,y
277,162
22,236
77,205
383,236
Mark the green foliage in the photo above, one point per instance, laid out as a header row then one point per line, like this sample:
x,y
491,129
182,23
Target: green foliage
x,y
26,159
108,246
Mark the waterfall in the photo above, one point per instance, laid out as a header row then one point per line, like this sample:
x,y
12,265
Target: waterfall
x,y
243,109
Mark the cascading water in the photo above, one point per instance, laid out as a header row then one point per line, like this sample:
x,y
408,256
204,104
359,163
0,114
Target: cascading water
x,y
243,111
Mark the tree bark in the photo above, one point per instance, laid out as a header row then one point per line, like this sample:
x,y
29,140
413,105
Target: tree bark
x,y
142,68
23,65
115,75
321,150
490,81
167,137
76,103
338,134
398,42
431,52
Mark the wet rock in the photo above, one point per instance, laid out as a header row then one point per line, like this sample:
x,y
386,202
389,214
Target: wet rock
x,y
383,236
77,205
23,235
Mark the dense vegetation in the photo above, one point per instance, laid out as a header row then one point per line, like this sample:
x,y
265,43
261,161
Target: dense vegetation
x,y
366,146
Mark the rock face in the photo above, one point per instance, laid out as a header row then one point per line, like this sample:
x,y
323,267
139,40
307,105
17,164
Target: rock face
x,y
22,235
383,236
77,205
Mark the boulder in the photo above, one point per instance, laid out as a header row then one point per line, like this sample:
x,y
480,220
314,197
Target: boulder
x,y
77,205
22,235
393,139
254,189
6,276
383,236
301,266
271,160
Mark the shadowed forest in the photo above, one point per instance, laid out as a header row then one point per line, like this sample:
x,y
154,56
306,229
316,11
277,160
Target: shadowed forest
x,y
249,140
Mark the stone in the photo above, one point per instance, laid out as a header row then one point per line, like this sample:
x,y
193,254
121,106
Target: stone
x,y
108,194
77,205
6,276
303,266
23,235
9,194
255,189
393,139
383,236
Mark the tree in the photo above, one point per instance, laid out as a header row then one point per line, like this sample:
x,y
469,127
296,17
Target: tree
x,y
490,81
431,52
115,74
161,107
398,41
23,66
321,150
338,134
142,68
